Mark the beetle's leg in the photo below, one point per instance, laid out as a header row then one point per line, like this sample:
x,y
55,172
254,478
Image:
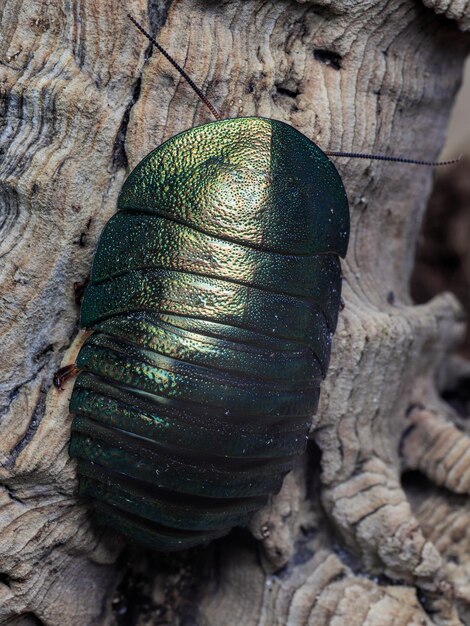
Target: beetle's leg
x,y
63,374
79,290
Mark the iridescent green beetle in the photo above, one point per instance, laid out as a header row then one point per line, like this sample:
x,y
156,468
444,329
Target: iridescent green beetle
x,y
213,299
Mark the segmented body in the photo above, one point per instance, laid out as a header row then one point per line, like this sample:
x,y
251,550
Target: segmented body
x,y
213,298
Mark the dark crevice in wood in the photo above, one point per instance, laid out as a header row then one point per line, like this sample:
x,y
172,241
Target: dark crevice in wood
x,y
401,444
120,159
328,57
284,91
11,494
36,417
459,397
157,15
419,487
185,573
314,458
13,393
26,619
442,259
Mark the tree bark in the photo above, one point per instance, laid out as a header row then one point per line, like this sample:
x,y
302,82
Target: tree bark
x,y
83,99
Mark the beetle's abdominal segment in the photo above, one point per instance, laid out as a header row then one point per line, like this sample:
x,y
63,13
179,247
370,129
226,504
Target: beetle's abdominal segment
x,y
178,67
384,157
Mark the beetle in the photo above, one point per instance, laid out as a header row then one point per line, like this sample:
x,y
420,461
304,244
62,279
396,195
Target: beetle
x,y
213,299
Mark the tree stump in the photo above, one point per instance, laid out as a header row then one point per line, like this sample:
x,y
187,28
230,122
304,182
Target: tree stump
x,y
83,99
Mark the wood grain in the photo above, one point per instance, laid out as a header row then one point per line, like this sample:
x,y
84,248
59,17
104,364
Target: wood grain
x,y
83,99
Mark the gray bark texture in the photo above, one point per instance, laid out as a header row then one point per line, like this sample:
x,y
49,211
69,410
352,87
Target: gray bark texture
x,y
346,542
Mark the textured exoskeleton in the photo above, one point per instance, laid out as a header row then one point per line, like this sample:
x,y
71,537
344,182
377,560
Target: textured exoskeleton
x,y
214,295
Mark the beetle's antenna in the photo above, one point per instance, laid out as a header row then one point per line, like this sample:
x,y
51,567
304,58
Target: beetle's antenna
x,y
189,80
383,157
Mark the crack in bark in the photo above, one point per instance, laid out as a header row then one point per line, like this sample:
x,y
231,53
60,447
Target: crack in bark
x,y
157,15
120,159
328,57
14,392
416,478
11,493
36,416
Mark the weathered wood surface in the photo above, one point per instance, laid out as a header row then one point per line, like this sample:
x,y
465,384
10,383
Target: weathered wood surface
x,y
443,253
83,100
